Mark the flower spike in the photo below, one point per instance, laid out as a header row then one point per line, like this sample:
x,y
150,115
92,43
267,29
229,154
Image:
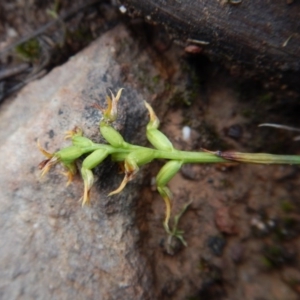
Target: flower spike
x,y
135,156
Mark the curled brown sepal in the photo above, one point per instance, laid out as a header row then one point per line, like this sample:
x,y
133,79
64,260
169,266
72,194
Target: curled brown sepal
x,y
46,164
76,131
130,172
69,176
71,170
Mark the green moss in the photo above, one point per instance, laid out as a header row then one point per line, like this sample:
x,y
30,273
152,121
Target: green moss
x,y
210,137
267,263
287,206
275,256
81,34
156,79
247,113
287,229
266,98
179,99
209,272
226,184
29,51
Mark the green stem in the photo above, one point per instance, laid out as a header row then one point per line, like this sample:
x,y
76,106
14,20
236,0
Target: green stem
x,y
259,158
189,157
119,154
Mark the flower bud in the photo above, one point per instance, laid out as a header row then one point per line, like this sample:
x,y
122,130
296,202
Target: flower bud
x,y
81,141
154,136
68,154
167,172
159,140
140,157
112,136
94,159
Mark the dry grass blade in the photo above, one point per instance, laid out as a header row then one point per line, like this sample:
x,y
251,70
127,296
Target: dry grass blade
x,y
285,127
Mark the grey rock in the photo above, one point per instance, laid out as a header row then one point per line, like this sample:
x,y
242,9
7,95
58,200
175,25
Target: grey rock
x,y
51,248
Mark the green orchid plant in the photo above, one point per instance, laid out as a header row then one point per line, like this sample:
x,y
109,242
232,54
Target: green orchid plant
x,y
134,156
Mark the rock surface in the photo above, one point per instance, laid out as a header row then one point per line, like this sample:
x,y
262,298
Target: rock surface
x,y
50,248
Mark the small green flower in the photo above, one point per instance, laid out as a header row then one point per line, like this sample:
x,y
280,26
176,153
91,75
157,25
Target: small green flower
x,y
82,142
132,162
89,163
65,156
168,171
154,136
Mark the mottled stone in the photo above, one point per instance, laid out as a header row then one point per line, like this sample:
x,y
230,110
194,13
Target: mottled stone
x,y
224,221
50,247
